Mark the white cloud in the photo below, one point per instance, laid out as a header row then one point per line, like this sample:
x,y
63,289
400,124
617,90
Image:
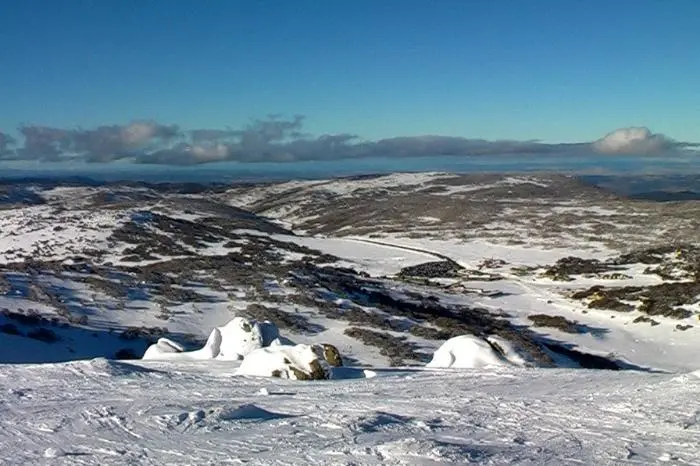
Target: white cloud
x,y
138,132
282,140
210,153
634,140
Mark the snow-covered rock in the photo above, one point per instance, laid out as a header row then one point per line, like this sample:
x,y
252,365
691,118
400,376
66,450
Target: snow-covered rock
x,y
233,341
470,352
165,349
241,336
509,351
259,345
299,362
332,355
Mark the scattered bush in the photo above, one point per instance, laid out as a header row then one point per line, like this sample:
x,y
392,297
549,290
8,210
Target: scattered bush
x,y
665,299
610,304
78,320
10,329
397,349
429,333
567,266
150,334
44,334
645,319
558,322
294,322
657,307
31,318
126,353
436,269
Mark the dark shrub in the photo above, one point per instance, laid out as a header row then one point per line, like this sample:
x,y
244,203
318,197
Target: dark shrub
x,y
294,322
558,322
150,334
397,349
44,334
126,353
645,319
10,329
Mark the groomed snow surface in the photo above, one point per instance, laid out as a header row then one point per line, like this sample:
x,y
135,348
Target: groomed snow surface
x,y
103,412
235,401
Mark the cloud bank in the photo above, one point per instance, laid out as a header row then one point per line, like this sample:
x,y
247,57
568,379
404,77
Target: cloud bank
x,y
635,140
282,140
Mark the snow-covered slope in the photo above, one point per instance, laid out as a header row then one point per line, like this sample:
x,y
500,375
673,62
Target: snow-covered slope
x,y
100,413
391,269
110,269
543,210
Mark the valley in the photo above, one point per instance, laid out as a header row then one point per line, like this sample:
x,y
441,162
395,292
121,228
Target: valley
x,y
568,283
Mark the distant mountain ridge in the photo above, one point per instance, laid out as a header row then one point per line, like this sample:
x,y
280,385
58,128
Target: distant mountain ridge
x,y
658,188
667,196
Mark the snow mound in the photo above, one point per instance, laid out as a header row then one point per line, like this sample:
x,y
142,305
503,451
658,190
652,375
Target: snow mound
x,y
108,368
470,352
258,345
241,336
165,349
249,412
298,362
233,341
52,452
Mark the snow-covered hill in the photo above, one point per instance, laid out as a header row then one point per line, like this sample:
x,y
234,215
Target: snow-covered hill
x,y
543,210
598,305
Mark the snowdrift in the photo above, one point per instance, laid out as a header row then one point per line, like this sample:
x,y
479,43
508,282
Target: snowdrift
x,y
166,349
233,341
471,352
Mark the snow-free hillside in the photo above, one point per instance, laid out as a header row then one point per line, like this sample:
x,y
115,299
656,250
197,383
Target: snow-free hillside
x,y
101,413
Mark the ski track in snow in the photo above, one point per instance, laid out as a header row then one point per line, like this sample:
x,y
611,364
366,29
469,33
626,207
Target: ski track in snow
x,y
99,412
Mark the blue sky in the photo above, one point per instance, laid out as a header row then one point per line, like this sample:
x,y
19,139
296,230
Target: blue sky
x,y
554,70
